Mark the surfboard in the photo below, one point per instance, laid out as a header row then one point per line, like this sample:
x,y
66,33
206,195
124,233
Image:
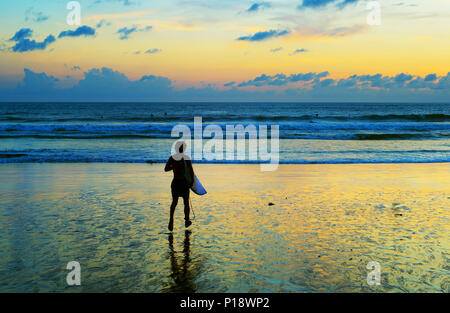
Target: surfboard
x,y
197,187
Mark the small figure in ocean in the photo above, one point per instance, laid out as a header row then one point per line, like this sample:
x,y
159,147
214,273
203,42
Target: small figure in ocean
x,y
183,175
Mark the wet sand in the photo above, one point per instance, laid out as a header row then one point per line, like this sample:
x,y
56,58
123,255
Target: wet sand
x,y
326,224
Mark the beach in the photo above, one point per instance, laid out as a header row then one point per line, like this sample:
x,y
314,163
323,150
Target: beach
x,y
327,222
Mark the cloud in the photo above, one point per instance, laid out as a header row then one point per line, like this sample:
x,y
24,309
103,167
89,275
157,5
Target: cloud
x,y
444,83
80,31
102,23
299,51
149,51
124,2
318,81
303,77
325,83
35,16
344,3
105,84
24,44
315,4
72,68
401,81
258,6
276,49
281,79
430,77
260,36
346,31
263,80
22,34
404,4
37,82
108,84
125,32
403,78
153,51
326,31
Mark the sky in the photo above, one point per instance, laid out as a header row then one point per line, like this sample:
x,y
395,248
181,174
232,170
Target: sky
x,y
225,50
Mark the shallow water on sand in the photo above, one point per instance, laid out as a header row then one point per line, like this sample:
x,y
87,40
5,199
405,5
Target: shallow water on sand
x,y
326,224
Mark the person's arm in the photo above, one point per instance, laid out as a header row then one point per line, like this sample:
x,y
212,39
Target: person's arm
x,y
169,165
191,171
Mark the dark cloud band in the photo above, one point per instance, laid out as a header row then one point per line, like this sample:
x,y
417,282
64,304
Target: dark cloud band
x,y
260,36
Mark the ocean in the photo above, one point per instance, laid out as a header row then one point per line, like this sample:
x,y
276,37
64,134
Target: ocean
x,y
141,132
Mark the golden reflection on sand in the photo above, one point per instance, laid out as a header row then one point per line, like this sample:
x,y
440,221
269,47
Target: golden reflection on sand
x,y
326,224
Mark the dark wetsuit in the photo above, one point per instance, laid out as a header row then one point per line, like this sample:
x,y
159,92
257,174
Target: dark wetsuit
x,y
180,186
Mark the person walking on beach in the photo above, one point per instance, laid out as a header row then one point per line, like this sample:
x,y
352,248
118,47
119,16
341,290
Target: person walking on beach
x,y
183,175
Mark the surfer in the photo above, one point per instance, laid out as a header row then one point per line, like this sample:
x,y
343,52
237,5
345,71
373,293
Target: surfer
x,y
183,174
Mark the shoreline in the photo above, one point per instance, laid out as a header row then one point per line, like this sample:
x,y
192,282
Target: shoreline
x,y
222,163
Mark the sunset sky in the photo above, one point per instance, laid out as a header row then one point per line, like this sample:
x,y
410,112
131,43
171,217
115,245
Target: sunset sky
x,y
231,48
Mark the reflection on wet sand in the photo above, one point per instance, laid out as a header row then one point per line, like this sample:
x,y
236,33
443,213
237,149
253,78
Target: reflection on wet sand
x,y
327,223
182,271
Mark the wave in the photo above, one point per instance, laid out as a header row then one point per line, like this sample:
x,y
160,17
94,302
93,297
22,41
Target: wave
x,y
392,136
84,136
117,153
381,136
372,117
409,117
93,119
302,127
235,118
146,127
12,155
68,159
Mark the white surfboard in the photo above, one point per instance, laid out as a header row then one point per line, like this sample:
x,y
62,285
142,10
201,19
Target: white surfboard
x,y
197,187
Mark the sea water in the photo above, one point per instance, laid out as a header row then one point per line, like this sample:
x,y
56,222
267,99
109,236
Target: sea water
x,y
141,132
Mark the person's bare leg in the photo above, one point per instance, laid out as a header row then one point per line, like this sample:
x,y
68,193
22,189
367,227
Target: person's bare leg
x,y
172,211
187,210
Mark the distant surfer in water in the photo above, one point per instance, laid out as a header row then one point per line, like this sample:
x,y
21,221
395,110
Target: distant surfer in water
x,y
183,175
